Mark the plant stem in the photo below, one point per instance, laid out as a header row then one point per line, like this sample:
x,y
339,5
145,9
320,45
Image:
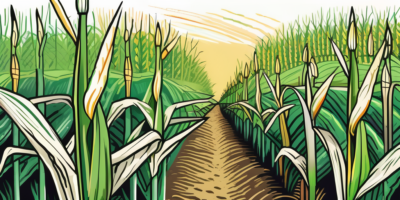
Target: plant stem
x,y
40,92
16,164
154,188
81,119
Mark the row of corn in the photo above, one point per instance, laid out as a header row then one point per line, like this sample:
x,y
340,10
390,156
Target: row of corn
x,y
183,64
85,168
318,30
355,176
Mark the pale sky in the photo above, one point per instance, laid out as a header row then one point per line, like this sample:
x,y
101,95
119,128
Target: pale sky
x,y
227,29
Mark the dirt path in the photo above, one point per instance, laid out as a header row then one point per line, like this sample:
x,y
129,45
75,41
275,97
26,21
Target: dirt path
x,y
215,163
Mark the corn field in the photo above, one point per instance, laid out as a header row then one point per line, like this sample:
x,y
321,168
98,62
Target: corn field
x,y
317,103
183,64
318,29
94,111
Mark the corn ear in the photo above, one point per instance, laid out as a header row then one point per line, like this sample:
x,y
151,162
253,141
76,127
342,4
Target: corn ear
x,y
314,68
370,42
246,71
14,59
277,66
352,32
82,6
306,54
39,28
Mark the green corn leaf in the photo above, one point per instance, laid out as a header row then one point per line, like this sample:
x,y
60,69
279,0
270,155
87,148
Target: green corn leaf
x,y
361,166
100,185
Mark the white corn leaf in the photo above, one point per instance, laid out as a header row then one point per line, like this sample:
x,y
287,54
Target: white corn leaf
x,y
168,146
337,161
135,133
310,142
98,79
9,151
246,105
365,92
45,141
276,115
184,119
240,107
266,113
320,96
53,99
128,159
385,168
272,88
118,107
171,109
298,160
340,57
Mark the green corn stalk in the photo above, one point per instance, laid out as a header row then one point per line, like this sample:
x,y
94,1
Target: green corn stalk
x,y
87,110
386,84
156,102
42,38
15,72
81,119
306,58
353,87
128,117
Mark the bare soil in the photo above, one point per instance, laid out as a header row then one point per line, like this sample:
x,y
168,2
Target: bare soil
x,y
215,163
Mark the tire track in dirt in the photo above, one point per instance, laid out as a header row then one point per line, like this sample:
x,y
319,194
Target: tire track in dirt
x,y
214,163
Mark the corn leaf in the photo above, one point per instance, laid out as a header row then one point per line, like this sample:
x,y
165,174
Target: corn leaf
x,y
272,89
100,73
9,151
171,109
310,141
337,161
128,159
276,115
340,57
118,107
298,160
135,133
62,16
320,96
184,120
385,168
100,186
267,112
53,99
45,141
361,165
246,105
365,92
168,146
